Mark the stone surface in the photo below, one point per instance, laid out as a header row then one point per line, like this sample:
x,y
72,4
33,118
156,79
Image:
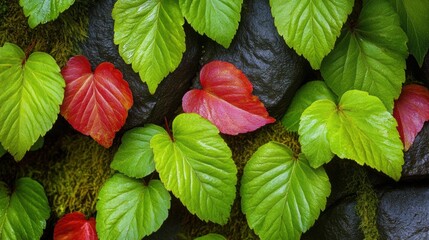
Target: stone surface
x,y
337,223
147,108
417,157
275,70
404,213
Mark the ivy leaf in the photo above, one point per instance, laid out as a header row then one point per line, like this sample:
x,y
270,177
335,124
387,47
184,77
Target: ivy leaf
x,y
226,100
95,104
43,11
358,128
23,213
134,157
414,19
304,97
282,196
197,167
75,226
211,236
369,56
32,91
411,111
218,19
311,27
128,208
150,36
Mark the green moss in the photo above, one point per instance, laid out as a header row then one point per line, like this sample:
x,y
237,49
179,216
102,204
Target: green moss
x,y
243,146
60,38
72,171
366,206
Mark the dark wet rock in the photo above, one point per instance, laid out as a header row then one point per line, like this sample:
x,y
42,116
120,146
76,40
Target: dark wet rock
x,y
337,223
417,157
404,213
147,108
275,70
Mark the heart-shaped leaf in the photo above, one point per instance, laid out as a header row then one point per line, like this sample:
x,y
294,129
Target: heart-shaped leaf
x,y
150,36
218,19
42,11
311,27
95,104
23,210
134,157
414,19
359,128
282,196
128,208
75,226
32,90
369,55
196,165
411,111
226,100
211,236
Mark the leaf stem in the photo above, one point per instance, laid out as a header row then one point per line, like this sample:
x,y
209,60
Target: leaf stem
x,y
167,127
28,51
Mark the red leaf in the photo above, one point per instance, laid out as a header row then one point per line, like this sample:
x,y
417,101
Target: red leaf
x,y
95,104
226,100
74,226
411,111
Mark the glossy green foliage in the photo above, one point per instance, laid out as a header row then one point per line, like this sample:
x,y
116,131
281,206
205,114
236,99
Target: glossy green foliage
x,y
32,91
369,55
131,209
359,128
43,11
282,195
218,19
414,20
195,163
23,210
150,36
134,157
311,27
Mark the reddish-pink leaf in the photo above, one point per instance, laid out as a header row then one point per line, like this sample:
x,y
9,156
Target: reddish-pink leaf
x,y
95,104
226,100
411,112
75,226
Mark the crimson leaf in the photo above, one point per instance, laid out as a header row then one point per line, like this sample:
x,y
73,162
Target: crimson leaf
x,y
226,100
411,112
75,226
95,104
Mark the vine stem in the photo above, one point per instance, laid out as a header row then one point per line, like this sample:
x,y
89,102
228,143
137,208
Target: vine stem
x,y
167,127
28,51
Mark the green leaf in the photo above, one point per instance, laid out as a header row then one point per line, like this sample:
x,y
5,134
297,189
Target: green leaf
x,y
311,27
211,236
414,19
32,91
197,167
282,196
313,133
218,19
304,97
38,144
358,128
150,36
130,209
43,11
369,56
24,212
134,157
